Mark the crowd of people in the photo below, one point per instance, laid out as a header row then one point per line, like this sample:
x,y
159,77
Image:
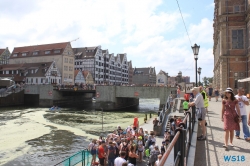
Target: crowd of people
x,y
128,147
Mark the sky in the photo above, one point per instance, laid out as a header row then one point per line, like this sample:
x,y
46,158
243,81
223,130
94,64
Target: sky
x,y
150,32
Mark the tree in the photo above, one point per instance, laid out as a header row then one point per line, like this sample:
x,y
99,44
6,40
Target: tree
x,y
207,80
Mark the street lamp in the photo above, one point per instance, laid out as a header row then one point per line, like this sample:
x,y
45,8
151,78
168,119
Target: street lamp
x,y
199,72
195,49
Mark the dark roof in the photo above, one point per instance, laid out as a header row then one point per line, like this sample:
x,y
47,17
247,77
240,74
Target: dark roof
x,y
27,66
1,51
85,52
40,49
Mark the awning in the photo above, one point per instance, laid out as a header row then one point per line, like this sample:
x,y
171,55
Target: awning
x,y
244,80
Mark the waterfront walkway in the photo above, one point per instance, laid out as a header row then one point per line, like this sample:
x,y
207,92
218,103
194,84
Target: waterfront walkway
x,y
211,152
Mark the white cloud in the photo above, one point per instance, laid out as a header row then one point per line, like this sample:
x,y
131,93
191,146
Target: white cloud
x,y
135,27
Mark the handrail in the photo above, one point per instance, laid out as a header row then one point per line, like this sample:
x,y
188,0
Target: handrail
x,y
169,149
81,156
181,140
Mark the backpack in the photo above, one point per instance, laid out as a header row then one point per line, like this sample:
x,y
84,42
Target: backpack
x,y
125,148
111,152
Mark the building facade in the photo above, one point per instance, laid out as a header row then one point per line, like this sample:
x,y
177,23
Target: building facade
x,y
32,73
144,76
79,77
231,43
162,78
4,56
61,53
130,72
104,67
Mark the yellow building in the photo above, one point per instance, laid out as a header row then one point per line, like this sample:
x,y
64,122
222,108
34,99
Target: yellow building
x,y
61,53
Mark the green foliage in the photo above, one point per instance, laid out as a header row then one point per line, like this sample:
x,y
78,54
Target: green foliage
x,y
207,80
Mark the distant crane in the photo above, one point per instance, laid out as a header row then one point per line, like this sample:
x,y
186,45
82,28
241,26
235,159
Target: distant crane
x,y
74,39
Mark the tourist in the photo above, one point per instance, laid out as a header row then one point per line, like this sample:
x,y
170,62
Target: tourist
x,y
140,148
172,126
201,112
158,160
204,95
92,148
216,93
101,154
249,119
132,155
125,147
178,92
120,160
210,92
163,150
154,155
242,102
228,115
155,122
111,154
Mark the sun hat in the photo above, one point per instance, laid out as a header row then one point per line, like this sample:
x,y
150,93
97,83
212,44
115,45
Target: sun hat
x,y
230,90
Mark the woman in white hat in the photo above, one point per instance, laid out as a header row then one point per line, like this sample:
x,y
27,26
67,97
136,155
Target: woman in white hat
x,y
228,116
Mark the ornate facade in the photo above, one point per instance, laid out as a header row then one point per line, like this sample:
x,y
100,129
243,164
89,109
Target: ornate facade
x,y
231,43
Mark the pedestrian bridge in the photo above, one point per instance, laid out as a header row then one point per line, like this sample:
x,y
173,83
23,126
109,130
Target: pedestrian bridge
x,y
112,97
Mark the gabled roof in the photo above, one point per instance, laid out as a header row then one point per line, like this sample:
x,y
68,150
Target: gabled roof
x,y
85,52
40,49
39,66
85,73
1,50
122,56
75,73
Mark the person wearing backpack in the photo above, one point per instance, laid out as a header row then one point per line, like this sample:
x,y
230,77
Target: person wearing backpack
x,y
124,147
111,154
154,156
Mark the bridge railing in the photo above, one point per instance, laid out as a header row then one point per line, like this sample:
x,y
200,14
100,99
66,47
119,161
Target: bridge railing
x,y
181,141
84,157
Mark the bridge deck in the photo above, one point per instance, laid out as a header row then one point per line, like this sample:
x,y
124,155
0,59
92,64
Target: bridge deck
x,y
211,152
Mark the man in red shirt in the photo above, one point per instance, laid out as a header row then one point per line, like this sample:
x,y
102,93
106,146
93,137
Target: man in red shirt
x,y
101,154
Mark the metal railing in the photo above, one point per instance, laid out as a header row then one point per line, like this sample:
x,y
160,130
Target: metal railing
x,y
83,157
181,141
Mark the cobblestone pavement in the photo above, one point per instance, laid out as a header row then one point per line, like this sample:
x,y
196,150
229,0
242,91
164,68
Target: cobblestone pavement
x,y
211,152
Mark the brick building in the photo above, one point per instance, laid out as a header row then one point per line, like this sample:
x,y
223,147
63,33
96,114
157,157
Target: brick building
x,y
231,43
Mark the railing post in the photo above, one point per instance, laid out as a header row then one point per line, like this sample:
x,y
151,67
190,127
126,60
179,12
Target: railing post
x,y
83,161
193,117
180,146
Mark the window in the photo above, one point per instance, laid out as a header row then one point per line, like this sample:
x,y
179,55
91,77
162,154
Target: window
x,y
65,68
47,52
236,9
24,54
237,39
35,53
56,51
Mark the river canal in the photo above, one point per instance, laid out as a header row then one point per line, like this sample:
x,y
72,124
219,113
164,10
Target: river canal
x,y
32,136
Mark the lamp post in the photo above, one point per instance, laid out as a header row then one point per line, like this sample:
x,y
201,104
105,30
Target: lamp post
x,y
102,119
195,49
199,72
235,80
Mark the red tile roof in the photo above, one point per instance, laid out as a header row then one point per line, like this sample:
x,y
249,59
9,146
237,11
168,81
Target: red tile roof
x,y
40,49
1,51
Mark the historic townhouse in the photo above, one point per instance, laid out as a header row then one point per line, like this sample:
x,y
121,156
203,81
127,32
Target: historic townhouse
x,y
162,78
61,53
4,56
32,73
104,67
130,72
142,76
231,43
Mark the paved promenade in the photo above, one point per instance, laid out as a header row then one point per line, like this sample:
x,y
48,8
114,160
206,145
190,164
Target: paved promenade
x,y
211,152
